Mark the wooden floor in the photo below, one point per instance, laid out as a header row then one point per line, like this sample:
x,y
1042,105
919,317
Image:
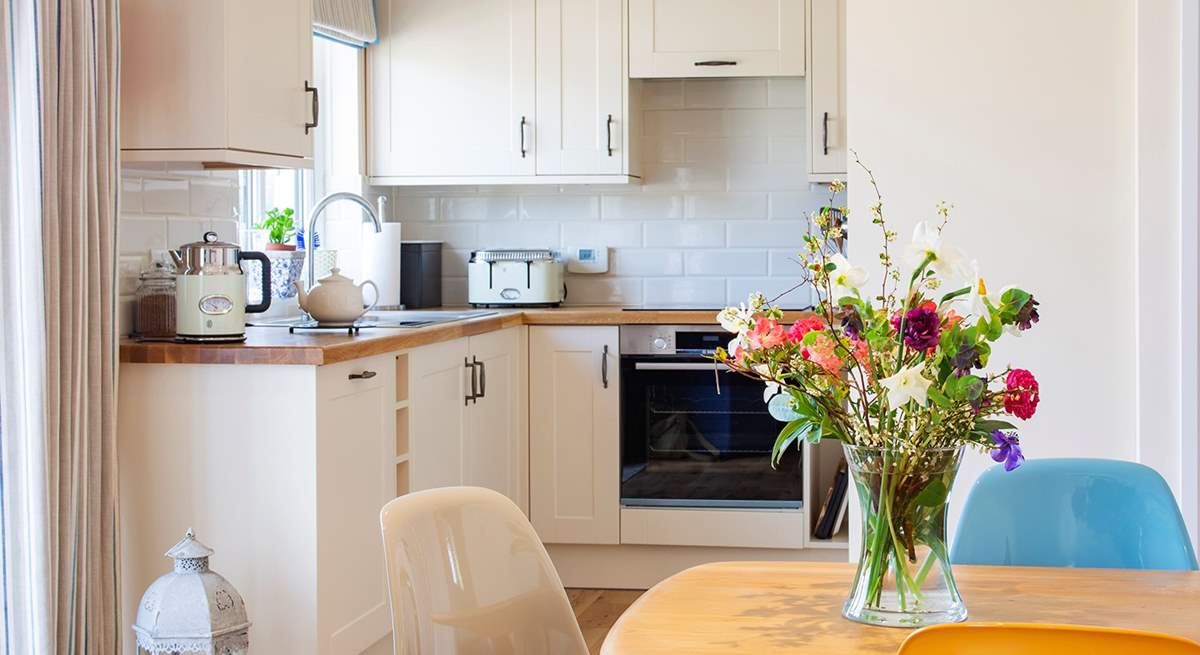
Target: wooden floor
x,y
597,610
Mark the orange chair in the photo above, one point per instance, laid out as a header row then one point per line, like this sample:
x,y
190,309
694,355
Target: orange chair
x,y
1039,639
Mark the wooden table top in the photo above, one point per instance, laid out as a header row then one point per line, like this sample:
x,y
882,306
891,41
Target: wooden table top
x,y
795,607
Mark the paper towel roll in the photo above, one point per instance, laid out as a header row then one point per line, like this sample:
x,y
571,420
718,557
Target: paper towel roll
x,y
381,262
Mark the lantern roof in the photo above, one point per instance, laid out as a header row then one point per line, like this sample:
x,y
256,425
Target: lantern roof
x,y
189,548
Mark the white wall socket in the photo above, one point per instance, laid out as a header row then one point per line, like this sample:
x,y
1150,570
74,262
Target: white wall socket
x,y
587,259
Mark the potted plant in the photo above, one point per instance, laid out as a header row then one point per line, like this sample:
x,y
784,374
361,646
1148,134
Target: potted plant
x,y
900,375
281,227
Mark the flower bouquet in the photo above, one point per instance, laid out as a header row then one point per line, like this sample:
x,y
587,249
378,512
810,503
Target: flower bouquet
x,y
901,378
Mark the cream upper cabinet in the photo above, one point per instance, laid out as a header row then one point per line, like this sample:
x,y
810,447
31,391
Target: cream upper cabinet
x,y
499,92
827,90
468,414
716,38
574,434
580,126
450,89
203,82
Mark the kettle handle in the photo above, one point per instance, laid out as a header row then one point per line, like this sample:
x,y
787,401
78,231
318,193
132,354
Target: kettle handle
x,y
266,280
374,302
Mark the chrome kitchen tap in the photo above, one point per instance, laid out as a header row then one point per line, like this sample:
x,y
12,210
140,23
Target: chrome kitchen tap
x,y
375,216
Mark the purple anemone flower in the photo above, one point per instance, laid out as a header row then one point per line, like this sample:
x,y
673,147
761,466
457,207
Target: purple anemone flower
x,y
922,327
1008,450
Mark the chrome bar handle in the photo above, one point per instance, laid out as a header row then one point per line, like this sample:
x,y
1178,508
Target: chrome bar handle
x,y
316,106
522,128
604,366
608,129
825,134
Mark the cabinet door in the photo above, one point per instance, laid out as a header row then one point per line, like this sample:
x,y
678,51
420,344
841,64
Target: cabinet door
x,y
496,445
827,89
574,440
448,87
439,382
354,479
716,38
580,87
266,74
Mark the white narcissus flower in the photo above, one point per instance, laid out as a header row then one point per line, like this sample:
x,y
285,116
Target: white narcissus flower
x,y
947,261
846,277
734,319
769,391
907,384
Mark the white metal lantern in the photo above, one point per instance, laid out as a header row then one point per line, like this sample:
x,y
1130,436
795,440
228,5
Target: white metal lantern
x,y
192,609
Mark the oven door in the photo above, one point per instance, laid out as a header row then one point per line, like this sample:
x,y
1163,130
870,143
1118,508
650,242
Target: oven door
x,y
694,434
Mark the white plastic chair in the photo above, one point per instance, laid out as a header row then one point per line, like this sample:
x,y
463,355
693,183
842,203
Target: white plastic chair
x,y
467,575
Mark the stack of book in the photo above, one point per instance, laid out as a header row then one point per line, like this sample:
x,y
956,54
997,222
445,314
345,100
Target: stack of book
x,y
833,510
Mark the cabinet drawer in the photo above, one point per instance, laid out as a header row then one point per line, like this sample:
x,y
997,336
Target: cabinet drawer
x,y
336,380
730,528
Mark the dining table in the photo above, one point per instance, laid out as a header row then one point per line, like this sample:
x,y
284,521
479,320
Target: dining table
x,y
796,607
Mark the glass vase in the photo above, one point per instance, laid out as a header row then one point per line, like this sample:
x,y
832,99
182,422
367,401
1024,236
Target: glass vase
x,y
904,578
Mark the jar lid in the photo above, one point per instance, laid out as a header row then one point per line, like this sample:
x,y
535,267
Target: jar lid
x,y
159,272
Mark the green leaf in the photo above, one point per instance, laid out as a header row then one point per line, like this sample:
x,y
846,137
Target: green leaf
x,y
788,435
990,425
939,398
932,495
954,294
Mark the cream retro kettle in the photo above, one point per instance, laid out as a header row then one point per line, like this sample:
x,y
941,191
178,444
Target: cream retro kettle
x,y
210,296
335,299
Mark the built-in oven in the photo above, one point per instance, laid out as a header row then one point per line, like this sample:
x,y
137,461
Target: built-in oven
x,y
694,434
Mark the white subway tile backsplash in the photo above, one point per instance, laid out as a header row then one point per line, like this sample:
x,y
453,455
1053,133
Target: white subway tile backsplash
x,y
668,149
787,150
725,150
227,230
726,206
402,209
785,92
726,262
128,269
725,93
685,290
797,205
662,94
186,230
131,195
504,234
768,177
213,196
685,234
560,207
783,291
630,262
454,262
786,263
604,291
682,121
464,235
479,208
161,196
641,207
767,234
454,290
666,178
614,234
137,235
764,122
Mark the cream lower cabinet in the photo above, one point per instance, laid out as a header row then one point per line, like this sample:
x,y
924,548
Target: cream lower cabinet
x,y
282,470
468,412
574,434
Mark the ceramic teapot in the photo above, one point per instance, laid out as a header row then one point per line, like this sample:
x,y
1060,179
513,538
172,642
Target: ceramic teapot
x,y
335,299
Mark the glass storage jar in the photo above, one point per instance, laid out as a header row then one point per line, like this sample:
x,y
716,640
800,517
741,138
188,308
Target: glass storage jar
x,y
154,307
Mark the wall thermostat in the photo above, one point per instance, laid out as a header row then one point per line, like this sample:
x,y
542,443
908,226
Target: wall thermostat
x,y
587,259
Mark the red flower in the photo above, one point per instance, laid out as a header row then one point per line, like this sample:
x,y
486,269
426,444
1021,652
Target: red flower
x,y
767,333
1022,397
803,327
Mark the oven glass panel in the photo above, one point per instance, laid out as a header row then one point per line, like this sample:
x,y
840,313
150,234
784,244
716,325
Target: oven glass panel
x,y
685,444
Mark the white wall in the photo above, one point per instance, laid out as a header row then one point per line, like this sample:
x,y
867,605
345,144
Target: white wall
x,y
1021,113
721,213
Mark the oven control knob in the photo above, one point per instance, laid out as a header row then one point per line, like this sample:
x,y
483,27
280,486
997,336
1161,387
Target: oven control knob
x,y
660,343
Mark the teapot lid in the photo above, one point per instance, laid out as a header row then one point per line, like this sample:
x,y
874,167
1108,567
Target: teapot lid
x,y
335,277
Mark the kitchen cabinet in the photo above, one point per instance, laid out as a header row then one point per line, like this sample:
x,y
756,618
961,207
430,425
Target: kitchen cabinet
x,y
827,90
283,471
208,83
468,415
716,38
574,434
540,96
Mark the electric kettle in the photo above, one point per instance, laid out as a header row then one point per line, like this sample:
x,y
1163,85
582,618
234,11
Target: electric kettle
x,y
210,290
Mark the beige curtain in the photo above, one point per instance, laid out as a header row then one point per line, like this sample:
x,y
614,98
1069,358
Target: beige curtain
x,y
80,158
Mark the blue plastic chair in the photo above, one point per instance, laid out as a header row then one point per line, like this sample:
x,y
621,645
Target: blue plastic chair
x,y
1096,513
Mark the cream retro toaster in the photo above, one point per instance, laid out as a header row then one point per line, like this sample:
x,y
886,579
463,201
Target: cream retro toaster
x,y
525,277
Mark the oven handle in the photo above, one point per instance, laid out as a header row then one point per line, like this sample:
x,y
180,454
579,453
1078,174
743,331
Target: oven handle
x,y
677,366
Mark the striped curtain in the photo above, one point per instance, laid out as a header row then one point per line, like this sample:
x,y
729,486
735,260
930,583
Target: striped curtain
x,y
58,238
347,21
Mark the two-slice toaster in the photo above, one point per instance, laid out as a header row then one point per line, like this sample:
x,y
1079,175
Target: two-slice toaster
x,y
518,277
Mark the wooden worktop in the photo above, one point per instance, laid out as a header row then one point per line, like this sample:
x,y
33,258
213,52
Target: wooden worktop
x,y
273,345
